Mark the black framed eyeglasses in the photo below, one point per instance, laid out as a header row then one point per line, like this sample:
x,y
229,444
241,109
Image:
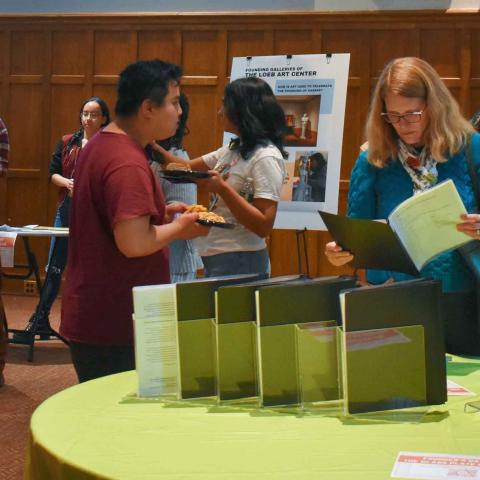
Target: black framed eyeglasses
x,y
409,117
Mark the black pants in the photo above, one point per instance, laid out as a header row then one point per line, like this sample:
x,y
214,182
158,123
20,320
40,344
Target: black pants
x,y
94,361
3,336
462,331
53,280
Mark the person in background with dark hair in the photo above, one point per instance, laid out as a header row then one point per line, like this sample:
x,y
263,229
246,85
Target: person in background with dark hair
x,y
94,115
317,176
119,225
4,148
4,151
247,177
184,259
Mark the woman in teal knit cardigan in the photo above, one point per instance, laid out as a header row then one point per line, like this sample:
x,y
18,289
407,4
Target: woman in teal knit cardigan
x,y
417,138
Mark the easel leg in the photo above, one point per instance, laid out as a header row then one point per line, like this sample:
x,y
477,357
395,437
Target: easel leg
x,y
39,324
302,233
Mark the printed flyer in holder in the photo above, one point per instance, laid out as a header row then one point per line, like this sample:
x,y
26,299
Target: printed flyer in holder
x,y
312,90
175,345
156,340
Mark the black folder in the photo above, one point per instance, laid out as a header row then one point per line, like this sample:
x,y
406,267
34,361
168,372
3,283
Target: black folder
x,y
280,307
302,302
403,304
373,244
236,303
196,298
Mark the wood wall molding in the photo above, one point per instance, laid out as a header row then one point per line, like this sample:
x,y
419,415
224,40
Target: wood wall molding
x,y
391,18
49,63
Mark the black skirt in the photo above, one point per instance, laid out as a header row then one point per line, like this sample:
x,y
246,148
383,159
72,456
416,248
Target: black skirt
x,y
462,329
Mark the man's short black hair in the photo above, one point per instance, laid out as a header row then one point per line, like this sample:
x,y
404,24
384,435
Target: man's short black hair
x,y
142,80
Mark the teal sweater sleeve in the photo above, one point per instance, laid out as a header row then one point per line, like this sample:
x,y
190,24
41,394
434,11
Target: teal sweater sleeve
x,y
362,191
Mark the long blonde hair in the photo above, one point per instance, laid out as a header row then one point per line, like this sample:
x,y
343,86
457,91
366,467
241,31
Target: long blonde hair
x,y
447,129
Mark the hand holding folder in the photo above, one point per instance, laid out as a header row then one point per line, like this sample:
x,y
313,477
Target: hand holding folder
x,y
419,229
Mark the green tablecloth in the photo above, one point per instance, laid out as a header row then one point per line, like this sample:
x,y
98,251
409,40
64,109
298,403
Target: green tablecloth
x,y
85,432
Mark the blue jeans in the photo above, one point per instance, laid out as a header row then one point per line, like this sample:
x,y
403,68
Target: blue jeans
x,y
183,277
56,223
235,263
57,259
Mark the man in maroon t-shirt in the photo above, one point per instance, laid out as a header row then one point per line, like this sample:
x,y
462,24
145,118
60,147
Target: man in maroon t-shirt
x,y
119,225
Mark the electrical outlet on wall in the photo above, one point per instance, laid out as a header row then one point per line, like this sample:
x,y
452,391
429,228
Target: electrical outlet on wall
x,y
29,286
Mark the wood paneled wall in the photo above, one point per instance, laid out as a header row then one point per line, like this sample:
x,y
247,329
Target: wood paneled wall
x,y
50,63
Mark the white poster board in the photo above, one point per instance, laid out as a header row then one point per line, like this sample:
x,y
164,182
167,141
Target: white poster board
x,y
312,90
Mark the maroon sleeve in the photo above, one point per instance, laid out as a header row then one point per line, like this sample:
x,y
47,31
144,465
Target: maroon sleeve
x,y
130,192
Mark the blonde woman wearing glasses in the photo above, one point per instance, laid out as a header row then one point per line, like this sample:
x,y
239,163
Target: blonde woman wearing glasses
x,y
417,137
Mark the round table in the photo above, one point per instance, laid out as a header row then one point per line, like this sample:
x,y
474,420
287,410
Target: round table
x,y
87,432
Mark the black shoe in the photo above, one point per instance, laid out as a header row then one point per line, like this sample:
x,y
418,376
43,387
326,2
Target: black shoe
x,y
24,337
42,325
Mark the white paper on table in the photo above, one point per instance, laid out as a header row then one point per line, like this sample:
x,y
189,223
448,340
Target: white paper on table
x,y
156,342
436,466
7,248
456,389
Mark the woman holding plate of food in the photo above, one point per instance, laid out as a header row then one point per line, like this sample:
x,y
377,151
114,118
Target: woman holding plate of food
x,y
245,179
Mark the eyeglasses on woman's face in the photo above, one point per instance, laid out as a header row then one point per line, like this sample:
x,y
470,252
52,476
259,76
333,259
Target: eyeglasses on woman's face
x,y
409,117
92,115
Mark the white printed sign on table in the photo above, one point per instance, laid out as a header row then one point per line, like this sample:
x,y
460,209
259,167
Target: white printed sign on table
x,y
7,248
436,466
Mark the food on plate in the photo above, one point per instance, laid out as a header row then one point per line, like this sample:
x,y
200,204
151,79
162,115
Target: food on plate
x,y
204,214
178,166
211,217
195,209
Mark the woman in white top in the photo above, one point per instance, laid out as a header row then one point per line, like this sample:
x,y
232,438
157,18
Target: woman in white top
x,y
246,179
184,260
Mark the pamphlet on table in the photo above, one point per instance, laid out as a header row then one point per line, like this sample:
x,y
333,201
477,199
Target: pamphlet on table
x,y
7,248
175,342
436,466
